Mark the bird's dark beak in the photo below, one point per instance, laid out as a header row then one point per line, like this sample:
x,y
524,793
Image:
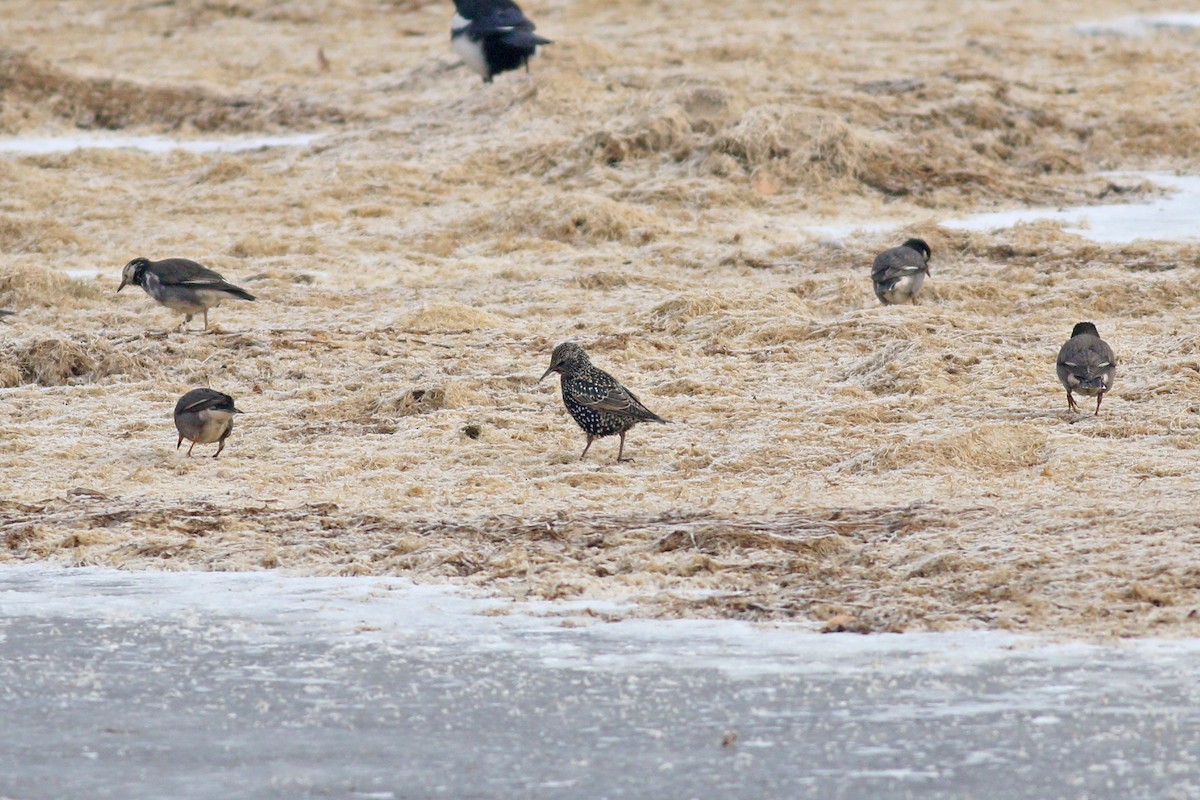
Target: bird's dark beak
x,y
547,372
237,411
124,283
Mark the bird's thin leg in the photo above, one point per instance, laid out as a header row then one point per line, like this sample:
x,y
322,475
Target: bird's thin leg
x,y
180,442
206,319
1099,397
585,449
220,447
621,449
190,449
1071,402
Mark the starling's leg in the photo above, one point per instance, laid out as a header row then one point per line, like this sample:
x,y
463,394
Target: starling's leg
x,y
621,449
186,319
1099,397
190,449
1071,402
220,447
180,442
205,319
585,449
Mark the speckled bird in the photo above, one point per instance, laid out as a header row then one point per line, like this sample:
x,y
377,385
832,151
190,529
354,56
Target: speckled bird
x,y
1086,365
597,401
204,416
899,273
181,285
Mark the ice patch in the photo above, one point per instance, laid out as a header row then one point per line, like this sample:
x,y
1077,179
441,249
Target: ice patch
x,y
27,146
1168,218
1139,25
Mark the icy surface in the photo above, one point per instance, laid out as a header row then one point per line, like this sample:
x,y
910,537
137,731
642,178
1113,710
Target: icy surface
x,y
194,685
1140,25
150,144
1169,218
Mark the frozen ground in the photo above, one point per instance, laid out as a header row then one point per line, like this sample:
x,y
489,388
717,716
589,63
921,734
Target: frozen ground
x,y
190,686
1171,217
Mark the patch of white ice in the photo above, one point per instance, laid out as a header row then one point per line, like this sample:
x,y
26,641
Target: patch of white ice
x,y
1172,217
1139,25
26,146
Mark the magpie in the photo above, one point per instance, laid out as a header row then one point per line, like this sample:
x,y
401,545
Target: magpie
x,y
493,36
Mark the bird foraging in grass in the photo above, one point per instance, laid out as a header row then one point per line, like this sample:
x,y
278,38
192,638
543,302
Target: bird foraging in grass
x,y
493,36
597,401
204,416
899,273
1086,365
181,285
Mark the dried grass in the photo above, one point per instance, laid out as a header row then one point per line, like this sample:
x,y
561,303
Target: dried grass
x,y
27,83
649,195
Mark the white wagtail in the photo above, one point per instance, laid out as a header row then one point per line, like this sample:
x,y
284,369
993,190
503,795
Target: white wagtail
x,y
899,273
493,36
204,416
181,285
1086,365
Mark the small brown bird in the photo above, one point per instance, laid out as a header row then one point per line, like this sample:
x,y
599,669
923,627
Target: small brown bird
x,y
204,416
597,401
899,273
1086,365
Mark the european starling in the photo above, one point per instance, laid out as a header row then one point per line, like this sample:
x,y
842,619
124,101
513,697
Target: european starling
x,y
600,404
899,273
204,416
493,36
181,285
1086,365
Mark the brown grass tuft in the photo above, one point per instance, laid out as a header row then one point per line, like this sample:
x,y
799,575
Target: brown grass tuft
x,y
113,104
450,316
987,447
60,361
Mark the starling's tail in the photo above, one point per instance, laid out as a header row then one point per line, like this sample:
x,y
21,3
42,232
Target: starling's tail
x,y
236,291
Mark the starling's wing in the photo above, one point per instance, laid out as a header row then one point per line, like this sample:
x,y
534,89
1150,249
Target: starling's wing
x,y
602,392
183,272
1086,361
896,263
203,400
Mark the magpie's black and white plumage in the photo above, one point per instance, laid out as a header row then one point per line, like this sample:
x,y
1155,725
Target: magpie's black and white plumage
x,y
597,401
181,285
1086,365
493,36
899,273
204,416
